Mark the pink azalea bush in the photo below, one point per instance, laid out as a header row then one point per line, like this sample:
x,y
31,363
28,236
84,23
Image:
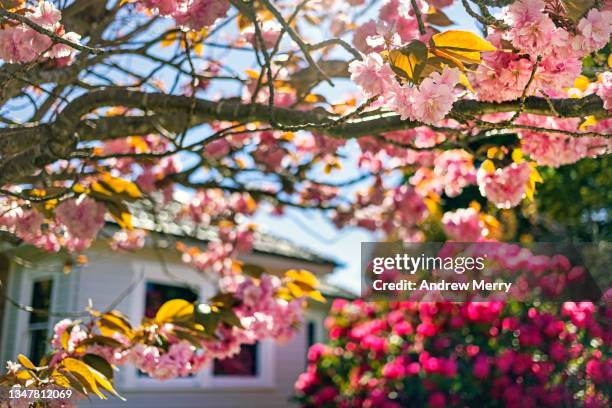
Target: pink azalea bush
x,y
399,354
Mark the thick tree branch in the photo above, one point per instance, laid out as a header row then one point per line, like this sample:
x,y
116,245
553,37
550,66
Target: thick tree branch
x,y
50,142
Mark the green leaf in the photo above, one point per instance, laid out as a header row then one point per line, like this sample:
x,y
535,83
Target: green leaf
x,y
102,340
229,317
438,18
252,270
576,9
73,382
208,317
98,363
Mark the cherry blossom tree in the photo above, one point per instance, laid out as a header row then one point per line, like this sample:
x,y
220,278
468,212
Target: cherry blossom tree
x,y
259,106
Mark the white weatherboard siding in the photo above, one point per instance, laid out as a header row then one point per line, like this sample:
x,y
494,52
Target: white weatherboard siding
x,y
288,364
105,279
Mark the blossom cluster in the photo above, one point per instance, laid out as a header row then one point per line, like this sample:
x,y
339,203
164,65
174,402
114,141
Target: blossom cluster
x,y
394,354
158,349
20,43
194,14
428,103
74,225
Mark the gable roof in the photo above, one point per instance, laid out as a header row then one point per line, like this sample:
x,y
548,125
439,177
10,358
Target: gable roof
x,y
166,223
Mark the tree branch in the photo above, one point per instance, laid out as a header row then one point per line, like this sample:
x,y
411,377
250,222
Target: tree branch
x,y
58,140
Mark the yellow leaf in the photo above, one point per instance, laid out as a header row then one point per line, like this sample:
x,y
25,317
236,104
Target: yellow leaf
x,y
24,375
589,121
24,361
243,21
60,379
488,166
459,47
302,276
114,322
104,382
475,205
433,207
409,61
119,185
448,58
311,98
316,295
302,283
460,41
295,290
517,156
83,373
174,309
169,39
534,177
251,73
582,83
463,80
610,60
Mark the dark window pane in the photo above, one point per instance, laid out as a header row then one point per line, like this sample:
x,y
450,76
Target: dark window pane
x,y
311,333
243,364
41,299
158,294
38,345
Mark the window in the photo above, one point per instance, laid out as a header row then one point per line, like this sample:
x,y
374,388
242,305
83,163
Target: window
x,y
311,334
243,364
39,321
157,294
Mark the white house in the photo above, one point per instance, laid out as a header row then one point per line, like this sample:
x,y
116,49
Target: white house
x,y
261,376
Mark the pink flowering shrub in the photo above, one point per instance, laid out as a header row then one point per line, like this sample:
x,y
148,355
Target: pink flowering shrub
x,y
401,354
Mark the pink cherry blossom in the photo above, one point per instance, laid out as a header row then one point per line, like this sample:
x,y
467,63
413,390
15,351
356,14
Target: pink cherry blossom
x,y
28,225
198,14
372,74
82,218
463,224
504,187
362,33
555,74
504,74
270,32
594,31
556,149
604,89
531,29
435,96
21,44
128,240
455,170
46,15
400,99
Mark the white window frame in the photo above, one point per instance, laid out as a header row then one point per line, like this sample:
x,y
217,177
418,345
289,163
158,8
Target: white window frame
x,y
23,325
266,358
203,379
